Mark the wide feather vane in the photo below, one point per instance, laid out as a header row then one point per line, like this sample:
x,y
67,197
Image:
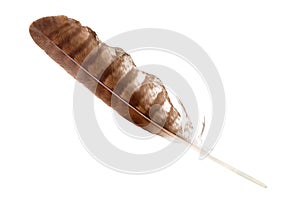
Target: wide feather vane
x,y
111,75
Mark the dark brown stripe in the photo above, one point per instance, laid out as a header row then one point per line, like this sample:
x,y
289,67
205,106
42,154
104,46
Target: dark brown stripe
x,y
108,75
81,47
60,32
68,35
54,32
108,72
49,24
146,87
87,50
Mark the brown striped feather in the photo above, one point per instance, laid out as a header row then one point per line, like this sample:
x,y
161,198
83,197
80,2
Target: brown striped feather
x,y
131,92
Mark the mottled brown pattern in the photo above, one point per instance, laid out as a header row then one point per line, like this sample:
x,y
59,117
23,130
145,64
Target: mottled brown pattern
x,y
76,47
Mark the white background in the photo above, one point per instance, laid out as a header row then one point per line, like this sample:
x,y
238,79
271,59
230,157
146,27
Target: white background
x,y
255,46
